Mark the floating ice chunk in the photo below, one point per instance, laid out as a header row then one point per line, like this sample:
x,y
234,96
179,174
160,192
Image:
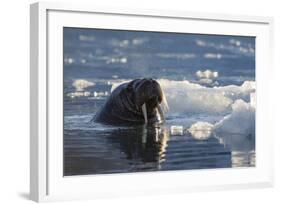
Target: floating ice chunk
x,y
240,122
79,94
201,130
212,55
117,60
186,97
120,43
124,43
176,130
235,92
199,74
235,42
87,38
206,81
83,61
200,43
100,94
81,84
123,60
139,41
69,60
251,50
249,85
208,74
238,128
215,74
95,94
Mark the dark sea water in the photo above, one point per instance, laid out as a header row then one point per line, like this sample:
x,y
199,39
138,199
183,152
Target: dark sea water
x,y
209,83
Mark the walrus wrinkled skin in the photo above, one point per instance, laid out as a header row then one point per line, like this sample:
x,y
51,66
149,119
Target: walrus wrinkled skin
x,y
133,103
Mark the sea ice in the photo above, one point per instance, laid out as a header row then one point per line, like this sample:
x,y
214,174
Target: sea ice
x,y
187,97
79,94
81,84
176,130
240,122
208,74
201,130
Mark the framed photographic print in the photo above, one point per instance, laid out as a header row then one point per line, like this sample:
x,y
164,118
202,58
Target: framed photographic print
x,y
128,101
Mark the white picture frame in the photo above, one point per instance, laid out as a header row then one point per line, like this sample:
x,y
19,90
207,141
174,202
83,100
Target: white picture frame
x,y
46,179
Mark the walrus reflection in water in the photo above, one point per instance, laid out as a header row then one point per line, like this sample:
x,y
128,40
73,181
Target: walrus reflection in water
x,y
142,144
134,103
125,149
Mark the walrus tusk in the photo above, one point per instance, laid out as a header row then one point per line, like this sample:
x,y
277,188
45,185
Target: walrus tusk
x,y
160,111
164,102
144,112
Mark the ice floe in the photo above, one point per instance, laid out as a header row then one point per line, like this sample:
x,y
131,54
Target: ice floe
x,y
201,130
241,121
176,130
207,74
81,84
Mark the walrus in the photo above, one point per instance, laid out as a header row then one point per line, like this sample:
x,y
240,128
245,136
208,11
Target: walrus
x,y
134,103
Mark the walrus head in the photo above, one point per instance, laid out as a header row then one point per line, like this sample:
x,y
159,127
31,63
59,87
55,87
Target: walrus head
x,y
148,96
